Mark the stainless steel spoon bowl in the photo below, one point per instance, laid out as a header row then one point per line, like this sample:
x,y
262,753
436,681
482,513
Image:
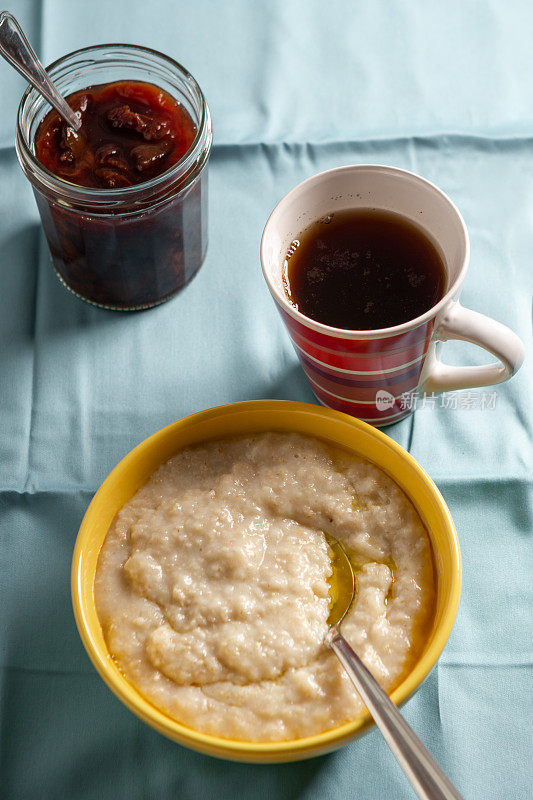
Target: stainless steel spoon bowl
x,y
425,775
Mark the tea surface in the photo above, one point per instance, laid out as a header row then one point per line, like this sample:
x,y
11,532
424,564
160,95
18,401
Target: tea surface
x,y
364,269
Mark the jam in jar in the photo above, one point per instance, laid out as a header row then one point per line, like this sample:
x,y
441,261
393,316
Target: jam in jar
x,y
123,200
130,132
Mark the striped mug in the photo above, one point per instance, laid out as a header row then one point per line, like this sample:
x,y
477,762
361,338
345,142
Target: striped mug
x,y
369,374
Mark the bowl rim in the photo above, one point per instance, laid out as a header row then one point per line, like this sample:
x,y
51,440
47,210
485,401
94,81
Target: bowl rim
x,y
237,750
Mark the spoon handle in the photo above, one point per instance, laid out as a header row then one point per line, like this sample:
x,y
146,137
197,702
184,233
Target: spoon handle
x,y
425,775
16,49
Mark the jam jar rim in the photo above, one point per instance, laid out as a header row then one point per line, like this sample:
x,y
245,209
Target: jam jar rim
x,y
180,173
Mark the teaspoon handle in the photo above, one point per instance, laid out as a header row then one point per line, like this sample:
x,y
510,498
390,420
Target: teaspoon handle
x,y
16,49
425,775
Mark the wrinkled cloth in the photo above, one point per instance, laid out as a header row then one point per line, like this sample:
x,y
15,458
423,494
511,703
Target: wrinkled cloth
x,y
443,89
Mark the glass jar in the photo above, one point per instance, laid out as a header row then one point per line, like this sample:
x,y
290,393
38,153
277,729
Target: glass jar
x,y
133,247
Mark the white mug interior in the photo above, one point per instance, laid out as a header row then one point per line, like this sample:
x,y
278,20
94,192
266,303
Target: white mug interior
x,y
367,186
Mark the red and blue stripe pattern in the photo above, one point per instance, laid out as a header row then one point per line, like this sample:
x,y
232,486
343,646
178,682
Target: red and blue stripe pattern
x,y
347,373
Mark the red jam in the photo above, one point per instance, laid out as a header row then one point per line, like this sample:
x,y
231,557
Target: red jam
x,y
128,253
130,132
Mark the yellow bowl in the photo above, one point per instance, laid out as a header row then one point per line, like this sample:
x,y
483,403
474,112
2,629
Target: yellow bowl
x,y
252,417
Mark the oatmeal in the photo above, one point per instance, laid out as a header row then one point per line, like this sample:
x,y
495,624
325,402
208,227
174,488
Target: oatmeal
x,y
212,585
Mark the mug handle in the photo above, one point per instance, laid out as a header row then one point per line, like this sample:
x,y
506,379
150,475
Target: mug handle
x,y
470,326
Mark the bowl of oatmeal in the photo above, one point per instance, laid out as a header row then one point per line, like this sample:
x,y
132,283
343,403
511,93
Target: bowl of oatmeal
x,y
202,577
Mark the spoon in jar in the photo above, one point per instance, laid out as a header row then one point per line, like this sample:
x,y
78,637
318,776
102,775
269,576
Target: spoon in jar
x,y
423,772
16,49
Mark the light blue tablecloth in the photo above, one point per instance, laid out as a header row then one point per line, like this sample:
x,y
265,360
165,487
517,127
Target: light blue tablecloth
x,y
444,89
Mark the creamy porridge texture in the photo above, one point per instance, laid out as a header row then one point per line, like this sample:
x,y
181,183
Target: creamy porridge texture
x,y
212,585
